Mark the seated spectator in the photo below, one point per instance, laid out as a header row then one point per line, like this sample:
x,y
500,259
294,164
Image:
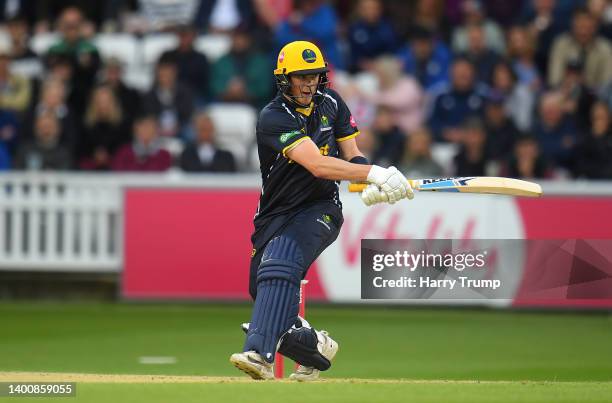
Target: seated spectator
x,y
543,24
160,15
501,131
81,52
430,14
582,43
315,21
521,51
471,160
370,35
193,67
602,11
15,90
221,16
242,75
577,97
555,132
104,130
169,100
45,151
426,59
594,154
474,13
23,57
477,52
128,97
53,101
389,138
203,155
526,161
5,158
145,153
400,94
519,100
417,161
461,100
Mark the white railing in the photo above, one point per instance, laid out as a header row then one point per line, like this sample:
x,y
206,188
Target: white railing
x,y
74,222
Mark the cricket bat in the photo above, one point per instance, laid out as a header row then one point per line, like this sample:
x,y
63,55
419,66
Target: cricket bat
x,y
475,184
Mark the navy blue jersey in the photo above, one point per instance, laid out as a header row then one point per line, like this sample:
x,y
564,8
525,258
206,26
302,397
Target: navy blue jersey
x,y
286,185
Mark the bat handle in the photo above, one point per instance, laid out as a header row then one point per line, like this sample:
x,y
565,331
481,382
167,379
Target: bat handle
x,y
356,187
359,187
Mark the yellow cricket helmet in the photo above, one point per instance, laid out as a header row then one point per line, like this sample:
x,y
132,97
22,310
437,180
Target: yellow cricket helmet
x,y
300,57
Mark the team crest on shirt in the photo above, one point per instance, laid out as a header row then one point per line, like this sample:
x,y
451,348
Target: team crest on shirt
x,y
324,121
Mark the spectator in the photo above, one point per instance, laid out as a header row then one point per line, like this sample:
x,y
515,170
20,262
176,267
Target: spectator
x,y
45,151
5,158
521,50
161,15
243,74
401,94
104,130
9,130
203,155
169,100
473,14
426,13
389,138
543,24
555,132
519,101
417,161
193,67
501,131
477,52
577,97
81,52
471,159
526,161
128,97
426,59
463,99
53,101
315,21
602,11
582,44
23,57
221,16
145,153
370,35
594,155
15,91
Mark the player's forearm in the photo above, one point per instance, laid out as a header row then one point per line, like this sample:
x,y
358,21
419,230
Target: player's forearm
x,y
332,168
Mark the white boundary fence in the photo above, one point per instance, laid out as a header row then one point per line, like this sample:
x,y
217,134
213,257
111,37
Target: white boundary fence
x,y
74,222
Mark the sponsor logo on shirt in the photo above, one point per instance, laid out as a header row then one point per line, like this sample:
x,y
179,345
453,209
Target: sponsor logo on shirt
x,y
286,136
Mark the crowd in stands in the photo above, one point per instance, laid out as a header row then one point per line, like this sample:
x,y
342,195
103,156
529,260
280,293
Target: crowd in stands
x,y
519,88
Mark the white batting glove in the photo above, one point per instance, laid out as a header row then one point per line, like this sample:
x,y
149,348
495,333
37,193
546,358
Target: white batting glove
x,y
391,182
373,195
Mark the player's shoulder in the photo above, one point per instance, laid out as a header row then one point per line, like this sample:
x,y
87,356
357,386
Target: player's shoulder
x,y
332,96
275,114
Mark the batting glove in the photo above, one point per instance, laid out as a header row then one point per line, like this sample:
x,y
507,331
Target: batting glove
x,y
373,195
391,182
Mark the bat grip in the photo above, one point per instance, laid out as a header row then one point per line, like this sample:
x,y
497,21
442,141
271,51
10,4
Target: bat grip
x,y
357,187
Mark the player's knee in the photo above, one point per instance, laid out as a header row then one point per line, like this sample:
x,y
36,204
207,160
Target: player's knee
x,y
282,259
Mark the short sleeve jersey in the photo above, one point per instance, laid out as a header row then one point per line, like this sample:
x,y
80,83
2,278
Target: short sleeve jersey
x,y
281,127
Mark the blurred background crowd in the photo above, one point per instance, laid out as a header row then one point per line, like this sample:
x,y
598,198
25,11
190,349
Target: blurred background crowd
x,y
519,88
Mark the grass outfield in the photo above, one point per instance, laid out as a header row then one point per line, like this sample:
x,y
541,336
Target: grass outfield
x,y
541,357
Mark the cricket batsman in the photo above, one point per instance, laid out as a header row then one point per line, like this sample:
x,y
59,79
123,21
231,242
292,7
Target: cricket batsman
x,y
306,143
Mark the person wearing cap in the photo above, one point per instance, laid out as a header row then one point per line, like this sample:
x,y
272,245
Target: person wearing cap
x,y
306,144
